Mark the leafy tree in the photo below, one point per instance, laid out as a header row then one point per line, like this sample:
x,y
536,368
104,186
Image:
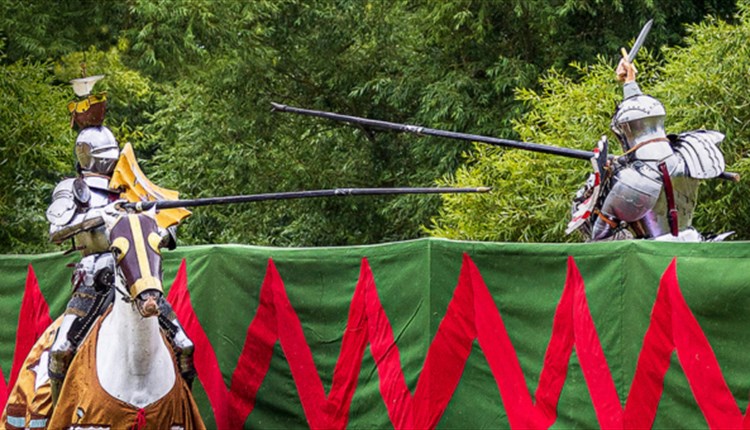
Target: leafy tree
x,y
170,39
451,65
35,152
701,85
190,84
42,30
238,141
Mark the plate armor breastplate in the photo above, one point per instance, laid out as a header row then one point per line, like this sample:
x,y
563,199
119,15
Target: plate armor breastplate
x,y
639,199
656,221
74,212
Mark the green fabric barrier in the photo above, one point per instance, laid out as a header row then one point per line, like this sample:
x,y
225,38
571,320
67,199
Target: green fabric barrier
x,y
415,281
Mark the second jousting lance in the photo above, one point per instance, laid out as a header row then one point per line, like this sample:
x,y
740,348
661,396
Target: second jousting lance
x,y
335,192
424,131
496,141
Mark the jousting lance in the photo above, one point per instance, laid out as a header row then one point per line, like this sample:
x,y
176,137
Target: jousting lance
x,y
336,192
424,131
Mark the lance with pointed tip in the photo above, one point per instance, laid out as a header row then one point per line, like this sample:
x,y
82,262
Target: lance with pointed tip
x,y
335,192
416,129
424,131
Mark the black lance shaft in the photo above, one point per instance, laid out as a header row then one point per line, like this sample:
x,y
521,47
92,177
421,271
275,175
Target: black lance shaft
x,y
406,128
419,130
336,192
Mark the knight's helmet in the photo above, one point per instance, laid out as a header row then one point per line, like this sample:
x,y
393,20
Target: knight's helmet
x,y
638,120
97,150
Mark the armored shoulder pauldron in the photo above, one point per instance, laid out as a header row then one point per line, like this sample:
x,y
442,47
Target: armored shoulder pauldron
x,y
700,151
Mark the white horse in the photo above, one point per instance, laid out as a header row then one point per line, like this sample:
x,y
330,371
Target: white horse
x,y
124,374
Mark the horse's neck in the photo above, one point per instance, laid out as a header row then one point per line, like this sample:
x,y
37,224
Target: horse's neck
x,y
132,361
137,339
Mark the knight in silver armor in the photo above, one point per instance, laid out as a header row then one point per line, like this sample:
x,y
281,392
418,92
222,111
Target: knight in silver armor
x,y
651,190
77,213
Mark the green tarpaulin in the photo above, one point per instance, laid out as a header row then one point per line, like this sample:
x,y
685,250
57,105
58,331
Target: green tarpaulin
x,y
414,283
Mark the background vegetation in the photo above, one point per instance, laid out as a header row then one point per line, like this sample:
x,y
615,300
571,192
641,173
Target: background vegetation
x,y
190,85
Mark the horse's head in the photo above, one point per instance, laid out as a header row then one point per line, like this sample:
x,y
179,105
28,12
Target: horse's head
x,y
135,243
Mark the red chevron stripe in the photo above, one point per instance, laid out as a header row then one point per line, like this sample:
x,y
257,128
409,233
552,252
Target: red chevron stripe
x,y
673,327
276,320
206,364
33,320
471,315
573,326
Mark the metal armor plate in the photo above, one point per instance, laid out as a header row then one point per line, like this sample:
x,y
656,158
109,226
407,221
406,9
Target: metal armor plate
x,y
75,212
81,191
685,191
63,206
90,266
634,193
637,195
700,151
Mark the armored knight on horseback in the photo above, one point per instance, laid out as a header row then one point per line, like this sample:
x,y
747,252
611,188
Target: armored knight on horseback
x,y
106,178
650,191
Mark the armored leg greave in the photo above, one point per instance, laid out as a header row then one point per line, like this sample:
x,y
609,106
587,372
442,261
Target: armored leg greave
x,y
89,302
61,354
181,344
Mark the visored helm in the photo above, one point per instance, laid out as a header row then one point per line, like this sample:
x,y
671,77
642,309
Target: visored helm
x,y
97,150
639,119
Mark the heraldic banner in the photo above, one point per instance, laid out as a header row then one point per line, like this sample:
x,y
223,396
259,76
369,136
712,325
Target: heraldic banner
x,y
442,334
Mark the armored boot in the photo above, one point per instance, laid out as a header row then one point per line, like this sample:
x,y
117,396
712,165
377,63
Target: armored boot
x,y
181,344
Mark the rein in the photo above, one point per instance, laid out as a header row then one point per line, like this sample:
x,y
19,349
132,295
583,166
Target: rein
x,y
125,296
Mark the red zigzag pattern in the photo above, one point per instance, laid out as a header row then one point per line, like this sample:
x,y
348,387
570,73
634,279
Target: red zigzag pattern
x,y
471,315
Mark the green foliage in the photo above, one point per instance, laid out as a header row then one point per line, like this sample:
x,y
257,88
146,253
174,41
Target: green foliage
x,y
530,200
46,30
228,141
171,37
132,96
702,85
35,153
190,84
